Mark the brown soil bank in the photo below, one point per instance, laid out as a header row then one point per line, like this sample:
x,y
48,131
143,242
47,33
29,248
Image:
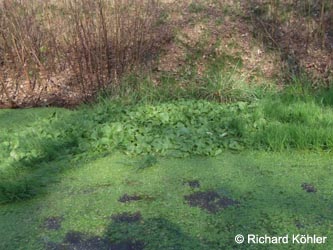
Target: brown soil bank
x,y
61,53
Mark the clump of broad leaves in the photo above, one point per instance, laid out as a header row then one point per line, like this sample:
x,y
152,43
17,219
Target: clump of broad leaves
x,y
176,129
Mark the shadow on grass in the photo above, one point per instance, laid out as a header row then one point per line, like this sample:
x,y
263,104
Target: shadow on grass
x,y
271,201
38,154
155,233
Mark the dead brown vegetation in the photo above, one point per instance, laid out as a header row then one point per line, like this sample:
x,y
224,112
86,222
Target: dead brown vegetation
x,y
64,51
301,31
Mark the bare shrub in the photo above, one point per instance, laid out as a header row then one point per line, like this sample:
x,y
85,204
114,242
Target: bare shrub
x,y
73,47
